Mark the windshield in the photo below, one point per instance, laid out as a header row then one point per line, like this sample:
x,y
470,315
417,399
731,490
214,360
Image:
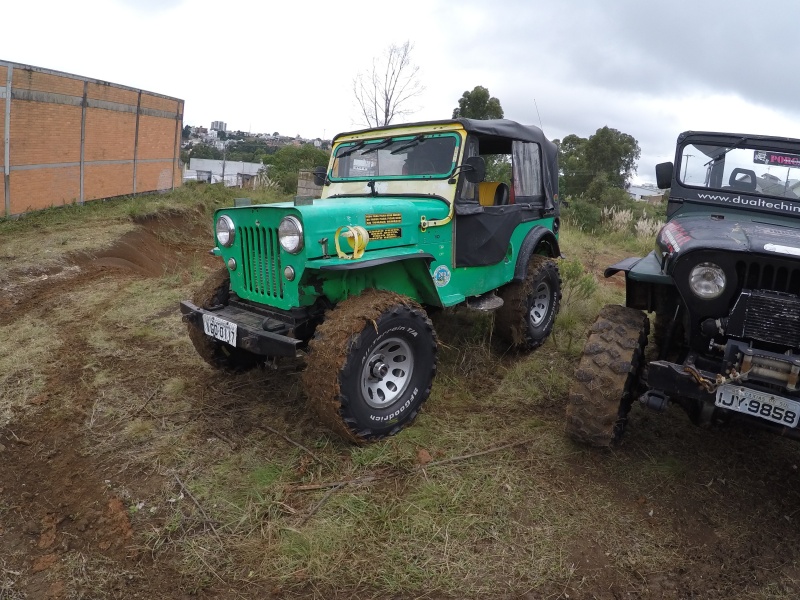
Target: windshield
x,y
741,167
423,156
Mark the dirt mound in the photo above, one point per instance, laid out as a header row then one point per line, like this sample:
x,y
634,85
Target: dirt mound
x,y
159,245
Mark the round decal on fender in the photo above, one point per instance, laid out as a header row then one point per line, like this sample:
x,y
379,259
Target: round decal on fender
x,y
441,276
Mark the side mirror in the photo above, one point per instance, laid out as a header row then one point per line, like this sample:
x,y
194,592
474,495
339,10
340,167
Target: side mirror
x,y
664,175
320,176
474,169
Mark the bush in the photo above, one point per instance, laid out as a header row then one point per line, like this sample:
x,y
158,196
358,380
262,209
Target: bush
x,y
613,213
581,214
285,164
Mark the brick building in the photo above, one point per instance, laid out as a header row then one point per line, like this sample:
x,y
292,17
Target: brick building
x,y
67,138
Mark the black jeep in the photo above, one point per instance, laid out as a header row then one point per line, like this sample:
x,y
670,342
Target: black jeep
x,y
724,285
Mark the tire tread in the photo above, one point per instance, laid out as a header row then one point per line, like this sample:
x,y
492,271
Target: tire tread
x,y
606,380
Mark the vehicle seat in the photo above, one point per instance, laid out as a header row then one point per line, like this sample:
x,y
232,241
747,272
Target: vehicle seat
x,y
493,193
743,180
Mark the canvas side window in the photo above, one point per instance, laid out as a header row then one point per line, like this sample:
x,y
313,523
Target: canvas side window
x,y
528,187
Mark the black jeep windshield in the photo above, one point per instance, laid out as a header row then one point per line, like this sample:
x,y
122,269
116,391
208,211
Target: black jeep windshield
x,y
422,156
741,167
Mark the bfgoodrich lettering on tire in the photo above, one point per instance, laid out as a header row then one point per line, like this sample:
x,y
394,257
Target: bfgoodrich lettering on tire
x,y
606,381
530,306
371,365
215,291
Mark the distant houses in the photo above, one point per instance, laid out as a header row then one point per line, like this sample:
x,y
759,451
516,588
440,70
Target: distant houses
x,y
231,173
645,193
775,186
217,134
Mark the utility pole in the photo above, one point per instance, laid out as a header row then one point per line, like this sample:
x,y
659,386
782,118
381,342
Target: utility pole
x,y
224,155
686,164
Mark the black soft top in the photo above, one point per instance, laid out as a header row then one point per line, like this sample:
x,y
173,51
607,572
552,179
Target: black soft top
x,y
735,137
506,129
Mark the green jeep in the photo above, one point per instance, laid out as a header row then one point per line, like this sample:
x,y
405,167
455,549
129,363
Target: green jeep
x,y
406,223
724,286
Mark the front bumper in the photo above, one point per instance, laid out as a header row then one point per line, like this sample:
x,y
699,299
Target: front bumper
x,y
668,381
673,380
251,334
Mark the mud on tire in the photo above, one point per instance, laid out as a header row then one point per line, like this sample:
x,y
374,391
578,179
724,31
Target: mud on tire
x,y
215,291
606,381
371,365
530,307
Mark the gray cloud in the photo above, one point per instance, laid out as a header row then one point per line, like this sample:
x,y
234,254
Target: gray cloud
x,y
656,47
620,62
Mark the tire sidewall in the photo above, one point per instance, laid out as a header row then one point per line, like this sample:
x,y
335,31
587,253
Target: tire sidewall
x,y
412,330
546,273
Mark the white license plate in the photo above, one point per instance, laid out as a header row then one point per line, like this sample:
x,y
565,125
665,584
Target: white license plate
x,y
759,404
220,329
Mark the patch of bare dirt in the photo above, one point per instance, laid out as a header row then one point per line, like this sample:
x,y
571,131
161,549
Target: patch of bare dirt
x,y
61,507
731,513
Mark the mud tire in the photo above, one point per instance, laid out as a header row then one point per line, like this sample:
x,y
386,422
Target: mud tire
x,y
336,379
530,307
215,291
607,379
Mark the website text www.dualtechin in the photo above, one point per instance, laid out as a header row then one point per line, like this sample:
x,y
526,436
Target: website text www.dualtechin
x,y
752,202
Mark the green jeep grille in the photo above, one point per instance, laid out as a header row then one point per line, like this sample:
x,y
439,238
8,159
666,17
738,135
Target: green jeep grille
x,y
261,261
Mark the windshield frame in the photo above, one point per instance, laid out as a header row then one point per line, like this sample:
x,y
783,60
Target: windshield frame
x,y
395,151
739,165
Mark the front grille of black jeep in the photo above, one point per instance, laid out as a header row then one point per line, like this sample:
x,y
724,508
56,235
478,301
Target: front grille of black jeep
x,y
776,276
767,317
261,261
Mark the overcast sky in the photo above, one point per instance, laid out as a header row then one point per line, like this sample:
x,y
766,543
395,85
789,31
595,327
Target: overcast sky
x,y
650,69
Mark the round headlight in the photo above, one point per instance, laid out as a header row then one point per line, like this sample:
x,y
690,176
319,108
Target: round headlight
x,y
290,234
707,280
226,232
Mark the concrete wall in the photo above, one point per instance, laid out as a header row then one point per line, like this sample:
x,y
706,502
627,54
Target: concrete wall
x,y
66,138
306,186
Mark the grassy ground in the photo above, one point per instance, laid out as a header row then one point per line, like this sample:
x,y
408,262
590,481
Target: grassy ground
x,y
229,489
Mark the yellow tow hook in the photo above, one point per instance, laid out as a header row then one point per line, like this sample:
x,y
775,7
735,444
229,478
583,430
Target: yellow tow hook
x,y
357,238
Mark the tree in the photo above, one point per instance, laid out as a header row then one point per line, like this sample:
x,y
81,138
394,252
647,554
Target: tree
x,y
285,164
575,175
614,153
187,132
607,158
383,92
478,104
205,151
